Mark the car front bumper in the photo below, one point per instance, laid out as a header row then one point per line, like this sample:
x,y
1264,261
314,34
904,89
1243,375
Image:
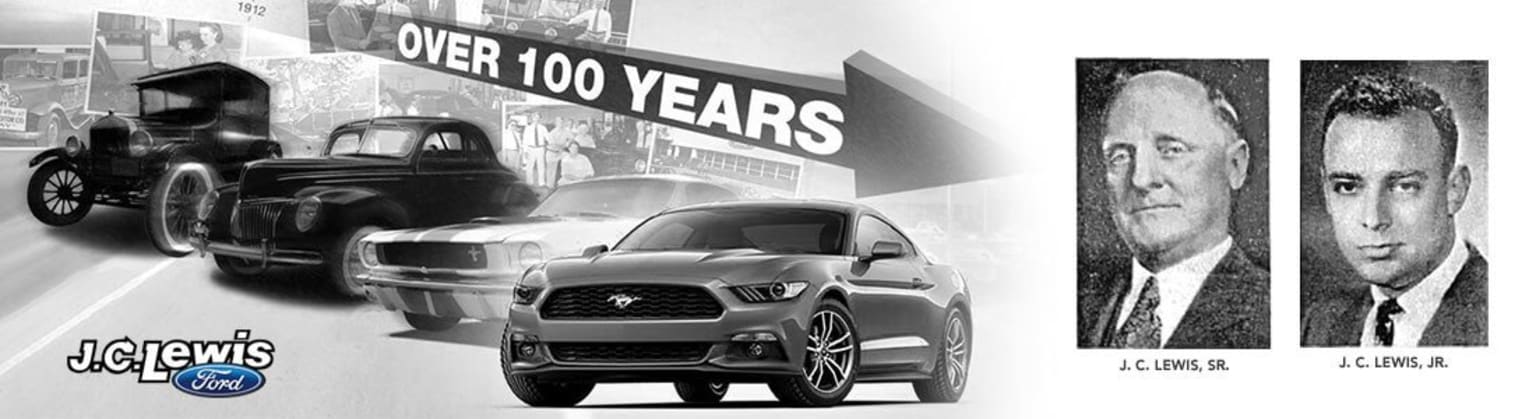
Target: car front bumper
x,y
725,358
485,299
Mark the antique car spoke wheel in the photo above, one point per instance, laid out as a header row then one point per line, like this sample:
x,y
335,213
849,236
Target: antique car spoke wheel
x,y
951,370
172,206
57,195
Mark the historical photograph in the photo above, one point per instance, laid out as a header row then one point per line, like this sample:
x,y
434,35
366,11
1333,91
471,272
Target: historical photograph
x,y
42,94
129,46
406,90
370,25
1173,239
313,94
1394,203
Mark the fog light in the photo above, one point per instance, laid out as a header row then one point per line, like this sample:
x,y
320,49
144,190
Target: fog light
x,y
527,350
756,350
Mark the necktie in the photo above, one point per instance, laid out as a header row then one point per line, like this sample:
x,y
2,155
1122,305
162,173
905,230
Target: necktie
x,y
1385,329
1143,329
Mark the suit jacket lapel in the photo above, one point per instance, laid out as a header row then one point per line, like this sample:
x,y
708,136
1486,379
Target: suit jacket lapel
x,y
1462,319
1231,310
1102,288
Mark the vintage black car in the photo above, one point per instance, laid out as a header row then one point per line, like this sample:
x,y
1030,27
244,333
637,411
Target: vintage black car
x,y
382,173
197,126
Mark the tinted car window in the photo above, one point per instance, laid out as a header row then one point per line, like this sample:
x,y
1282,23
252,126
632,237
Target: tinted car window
x,y
346,143
381,141
773,230
872,230
444,141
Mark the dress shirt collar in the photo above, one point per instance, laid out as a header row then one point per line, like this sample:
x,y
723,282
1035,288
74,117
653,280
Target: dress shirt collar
x,y
1177,285
1419,302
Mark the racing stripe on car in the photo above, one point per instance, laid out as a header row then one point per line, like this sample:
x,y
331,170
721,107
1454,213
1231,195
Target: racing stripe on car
x,y
478,235
441,234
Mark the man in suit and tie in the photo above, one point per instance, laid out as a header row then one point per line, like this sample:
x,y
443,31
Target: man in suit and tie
x,y
1393,187
1173,158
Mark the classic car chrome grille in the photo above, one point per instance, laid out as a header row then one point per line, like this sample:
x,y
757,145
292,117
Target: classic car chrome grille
x,y
435,255
615,353
630,302
257,219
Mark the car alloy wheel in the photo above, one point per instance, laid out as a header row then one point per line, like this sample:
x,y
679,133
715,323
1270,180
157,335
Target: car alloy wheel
x,y
173,206
831,360
952,370
57,195
829,354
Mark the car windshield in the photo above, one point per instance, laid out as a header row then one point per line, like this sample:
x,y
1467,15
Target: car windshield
x,y
191,101
631,198
377,141
773,230
31,68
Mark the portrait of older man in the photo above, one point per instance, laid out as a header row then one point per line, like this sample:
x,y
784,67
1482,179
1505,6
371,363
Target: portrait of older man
x,y
1392,188
1171,157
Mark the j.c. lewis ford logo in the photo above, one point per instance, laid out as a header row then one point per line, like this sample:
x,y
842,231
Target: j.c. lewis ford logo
x,y
218,368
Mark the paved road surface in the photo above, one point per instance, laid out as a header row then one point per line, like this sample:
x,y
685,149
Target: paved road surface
x,y
102,280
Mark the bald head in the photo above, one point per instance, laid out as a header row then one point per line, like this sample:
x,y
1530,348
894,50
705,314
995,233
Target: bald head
x,y
1189,92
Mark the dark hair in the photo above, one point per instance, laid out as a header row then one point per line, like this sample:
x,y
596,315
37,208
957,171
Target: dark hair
x,y
218,32
1382,96
187,36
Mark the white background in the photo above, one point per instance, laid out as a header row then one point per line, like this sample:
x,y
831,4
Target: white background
x,y
1014,62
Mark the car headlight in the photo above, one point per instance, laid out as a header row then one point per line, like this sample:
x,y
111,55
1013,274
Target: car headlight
x,y
139,143
307,214
370,254
205,205
770,292
521,255
72,146
528,288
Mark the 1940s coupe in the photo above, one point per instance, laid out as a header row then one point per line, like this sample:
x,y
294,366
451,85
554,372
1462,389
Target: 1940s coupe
x,y
197,126
382,173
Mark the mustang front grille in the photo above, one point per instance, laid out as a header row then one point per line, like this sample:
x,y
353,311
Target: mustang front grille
x,y
631,302
619,353
433,255
257,219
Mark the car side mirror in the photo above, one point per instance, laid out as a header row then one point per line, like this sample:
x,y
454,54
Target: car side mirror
x,y
594,250
885,250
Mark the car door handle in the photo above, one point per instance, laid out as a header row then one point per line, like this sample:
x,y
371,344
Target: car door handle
x,y
917,283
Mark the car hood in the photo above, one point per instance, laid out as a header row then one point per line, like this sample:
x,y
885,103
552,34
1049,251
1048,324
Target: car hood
x,y
22,85
734,266
265,177
559,236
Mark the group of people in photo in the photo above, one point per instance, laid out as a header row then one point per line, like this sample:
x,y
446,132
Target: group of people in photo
x,y
551,157
193,48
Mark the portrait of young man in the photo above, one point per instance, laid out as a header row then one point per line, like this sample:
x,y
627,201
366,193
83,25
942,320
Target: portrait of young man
x,y
1173,242
1395,240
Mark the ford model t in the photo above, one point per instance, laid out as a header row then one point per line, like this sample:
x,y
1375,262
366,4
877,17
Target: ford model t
x,y
196,126
383,173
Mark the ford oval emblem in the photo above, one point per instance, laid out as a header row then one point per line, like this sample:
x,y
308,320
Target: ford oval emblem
x,y
218,380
